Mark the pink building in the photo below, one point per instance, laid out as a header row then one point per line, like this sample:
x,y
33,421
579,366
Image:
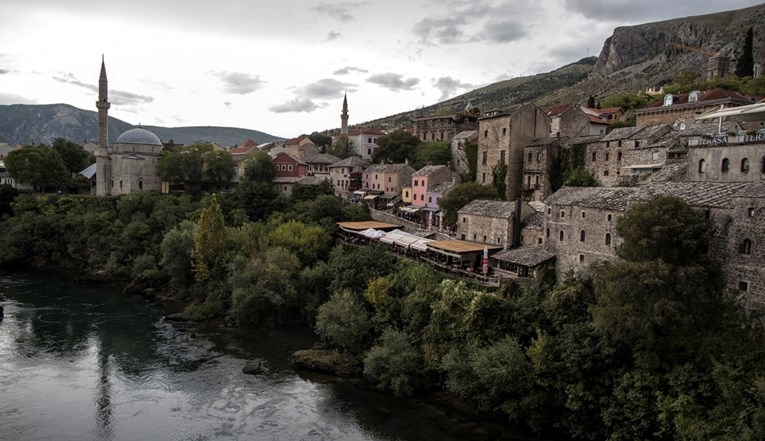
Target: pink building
x,y
428,179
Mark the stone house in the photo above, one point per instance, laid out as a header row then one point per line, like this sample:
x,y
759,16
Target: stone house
x,y
364,141
727,158
443,127
318,165
502,137
540,156
289,169
301,147
572,120
240,152
686,107
523,262
580,226
346,175
460,162
496,223
425,180
388,179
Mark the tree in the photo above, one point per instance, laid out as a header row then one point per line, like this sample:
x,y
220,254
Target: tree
x,y
342,147
344,322
460,196
259,167
580,177
396,147
307,242
745,63
218,166
394,363
320,139
184,166
499,180
74,156
591,102
38,166
433,153
209,243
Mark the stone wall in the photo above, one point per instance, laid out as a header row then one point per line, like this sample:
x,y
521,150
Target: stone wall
x,y
605,162
484,229
537,167
713,156
575,254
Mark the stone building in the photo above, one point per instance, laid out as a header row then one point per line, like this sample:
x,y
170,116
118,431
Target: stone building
x,y
443,127
460,162
388,179
318,165
502,137
539,159
686,107
346,175
364,141
727,158
130,164
495,223
572,120
580,226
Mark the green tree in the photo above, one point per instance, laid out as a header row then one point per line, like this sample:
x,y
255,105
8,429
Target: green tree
x,y
209,243
396,147
580,177
745,62
394,364
259,167
184,166
308,242
591,102
341,147
460,196
343,321
38,166
321,140
432,153
74,156
499,180
218,166
175,253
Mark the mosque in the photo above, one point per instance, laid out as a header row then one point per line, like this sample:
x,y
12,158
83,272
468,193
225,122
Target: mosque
x,y
130,164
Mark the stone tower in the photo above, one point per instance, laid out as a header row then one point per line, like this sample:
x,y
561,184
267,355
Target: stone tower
x,y
103,160
344,116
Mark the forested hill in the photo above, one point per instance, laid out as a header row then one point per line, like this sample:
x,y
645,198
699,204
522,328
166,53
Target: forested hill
x,y
50,121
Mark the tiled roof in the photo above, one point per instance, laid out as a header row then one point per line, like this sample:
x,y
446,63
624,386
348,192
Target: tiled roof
x,y
537,205
697,194
560,108
709,95
610,110
527,256
442,187
597,120
386,168
294,158
670,173
428,170
535,220
242,150
540,142
589,139
487,208
351,161
467,134
366,132
605,198
622,133
652,131
322,158
310,180
753,190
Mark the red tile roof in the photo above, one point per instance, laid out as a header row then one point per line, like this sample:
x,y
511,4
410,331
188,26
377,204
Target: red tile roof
x,y
560,108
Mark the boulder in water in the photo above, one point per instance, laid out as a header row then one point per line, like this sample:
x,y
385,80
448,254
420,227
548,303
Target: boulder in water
x,y
255,367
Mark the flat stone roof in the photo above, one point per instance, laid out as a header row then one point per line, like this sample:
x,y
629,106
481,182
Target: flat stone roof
x,y
488,208
527,256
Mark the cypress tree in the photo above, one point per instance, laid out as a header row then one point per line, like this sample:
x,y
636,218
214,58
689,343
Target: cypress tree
x,y
745,63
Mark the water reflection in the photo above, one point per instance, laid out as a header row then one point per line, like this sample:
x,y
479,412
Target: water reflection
x,y
87,363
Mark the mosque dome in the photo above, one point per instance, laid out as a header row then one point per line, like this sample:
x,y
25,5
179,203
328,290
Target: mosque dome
x,y
139,136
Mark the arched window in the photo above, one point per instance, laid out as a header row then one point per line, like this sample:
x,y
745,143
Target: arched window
x,y
745,165
725,167
561,236
702,166
140,185
581,236
608,238
745,247
668,99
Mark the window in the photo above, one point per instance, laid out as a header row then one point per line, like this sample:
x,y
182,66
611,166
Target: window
x,y
637,144
484,238
485,133
483,178
619,143
547,233
462,237
539,241
140,185
549,210
725,166
606,156
120,183
562,214
745,165
608,238
536,179
369,151
389,178
483,158
430,199
743,286
531,156
762,165
605,173
581,257
618,156
581,236
702,166
745,247
464,220
499,241
504,131
560,237
583,214
369,140
594,156
422,197
609,217
289,167
750,212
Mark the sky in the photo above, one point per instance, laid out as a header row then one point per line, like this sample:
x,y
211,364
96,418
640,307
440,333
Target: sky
x,y
282,67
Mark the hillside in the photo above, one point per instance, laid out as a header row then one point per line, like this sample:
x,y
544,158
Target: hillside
x,y
50,121
632,59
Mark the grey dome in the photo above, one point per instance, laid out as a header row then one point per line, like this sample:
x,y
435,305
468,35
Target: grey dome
x,y
139,136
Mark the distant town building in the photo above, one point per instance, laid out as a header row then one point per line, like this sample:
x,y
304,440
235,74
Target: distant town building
x,y
684,108
443,127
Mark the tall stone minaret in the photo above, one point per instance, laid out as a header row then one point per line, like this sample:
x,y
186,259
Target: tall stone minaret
x,y
344,116
103,161
103,107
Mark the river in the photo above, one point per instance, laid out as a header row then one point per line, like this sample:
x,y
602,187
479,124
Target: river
x,y
87,363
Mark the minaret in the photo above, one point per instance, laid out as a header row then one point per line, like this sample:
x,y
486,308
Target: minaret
x,y
103,161
103,108
344,116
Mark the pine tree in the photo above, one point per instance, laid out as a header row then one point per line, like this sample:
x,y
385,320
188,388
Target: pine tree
x,y
745,63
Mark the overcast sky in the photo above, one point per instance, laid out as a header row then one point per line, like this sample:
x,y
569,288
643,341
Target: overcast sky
x,y
282,66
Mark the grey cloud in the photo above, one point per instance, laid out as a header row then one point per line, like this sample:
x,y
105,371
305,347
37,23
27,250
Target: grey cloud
x,y
440,30
648,9
117,97
240,83
448,85
4,71
333,35
340,11
294,106
227,104
503,31
349,69
326,88
9,98
393,81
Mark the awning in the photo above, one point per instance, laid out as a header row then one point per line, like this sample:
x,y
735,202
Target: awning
x,y
370,197
406,240
409,209
360,192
